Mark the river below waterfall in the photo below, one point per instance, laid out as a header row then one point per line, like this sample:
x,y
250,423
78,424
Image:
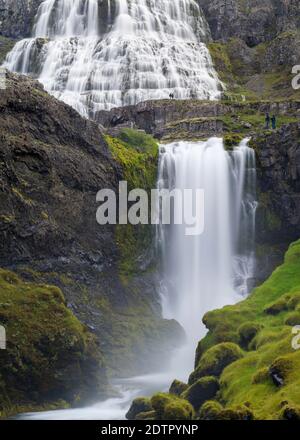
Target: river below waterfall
x,y
199,273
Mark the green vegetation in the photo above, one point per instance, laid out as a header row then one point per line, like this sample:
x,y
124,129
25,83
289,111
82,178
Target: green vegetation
x,y
246,73
203,389
49,352
248,354
137,154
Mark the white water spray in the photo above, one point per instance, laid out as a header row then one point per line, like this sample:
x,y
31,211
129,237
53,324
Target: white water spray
x,y
205,272
148,50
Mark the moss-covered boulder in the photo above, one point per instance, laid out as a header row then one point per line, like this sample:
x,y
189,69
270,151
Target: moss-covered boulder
x,y
291,412
177,387
170,407
239,413
247,332
178,410
214,360
293,319
294,301
202,390
50,355
210,410
277,307
139,406
149,415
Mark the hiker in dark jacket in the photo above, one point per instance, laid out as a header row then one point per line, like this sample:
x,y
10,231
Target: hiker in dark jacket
x,y
273,122
268,121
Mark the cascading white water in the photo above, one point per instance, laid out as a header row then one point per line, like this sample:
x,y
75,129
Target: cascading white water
x,y
201,273
151,49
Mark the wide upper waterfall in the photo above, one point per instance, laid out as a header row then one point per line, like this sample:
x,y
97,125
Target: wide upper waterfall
x,y
216,268
97,55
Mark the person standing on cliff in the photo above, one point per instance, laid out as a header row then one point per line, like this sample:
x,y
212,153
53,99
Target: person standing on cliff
x,y
273,122
267,121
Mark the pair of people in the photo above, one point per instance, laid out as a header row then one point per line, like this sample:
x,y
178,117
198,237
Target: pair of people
x,y
172,96
272,120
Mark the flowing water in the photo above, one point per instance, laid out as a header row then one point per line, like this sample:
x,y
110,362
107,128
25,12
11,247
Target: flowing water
x,y
96,56
199,273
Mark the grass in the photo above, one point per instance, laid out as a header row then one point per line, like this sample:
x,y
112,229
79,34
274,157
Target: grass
x,y
47,347
248,341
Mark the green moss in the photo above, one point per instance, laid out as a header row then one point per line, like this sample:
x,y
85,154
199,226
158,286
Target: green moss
x,y
137,154
236,413
138,161
261,376
170,407
292,319
294,301
139,140
177,387
291,412
277,307
214,360
178,410
248,379
232,140
49,352
247,332
139,406
210,410
149,415
202,390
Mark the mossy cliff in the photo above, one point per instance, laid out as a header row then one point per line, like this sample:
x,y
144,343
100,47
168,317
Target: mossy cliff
x,y
246,367
137,154
51,359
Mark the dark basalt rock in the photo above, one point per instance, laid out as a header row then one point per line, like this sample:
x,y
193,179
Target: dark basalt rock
x,y
254,21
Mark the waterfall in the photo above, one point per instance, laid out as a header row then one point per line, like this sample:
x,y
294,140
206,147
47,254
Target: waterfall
x,y
199,273
205,272
147,50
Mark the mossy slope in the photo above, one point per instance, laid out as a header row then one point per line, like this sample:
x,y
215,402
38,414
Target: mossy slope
x,y
137,154
249,351
50,355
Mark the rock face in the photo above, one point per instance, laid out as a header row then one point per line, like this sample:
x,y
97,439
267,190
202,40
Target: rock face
x,y
53,163
278,217
16,17
254,21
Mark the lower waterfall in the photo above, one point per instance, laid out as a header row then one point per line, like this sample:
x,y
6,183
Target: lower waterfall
x,y
198,273
216,268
